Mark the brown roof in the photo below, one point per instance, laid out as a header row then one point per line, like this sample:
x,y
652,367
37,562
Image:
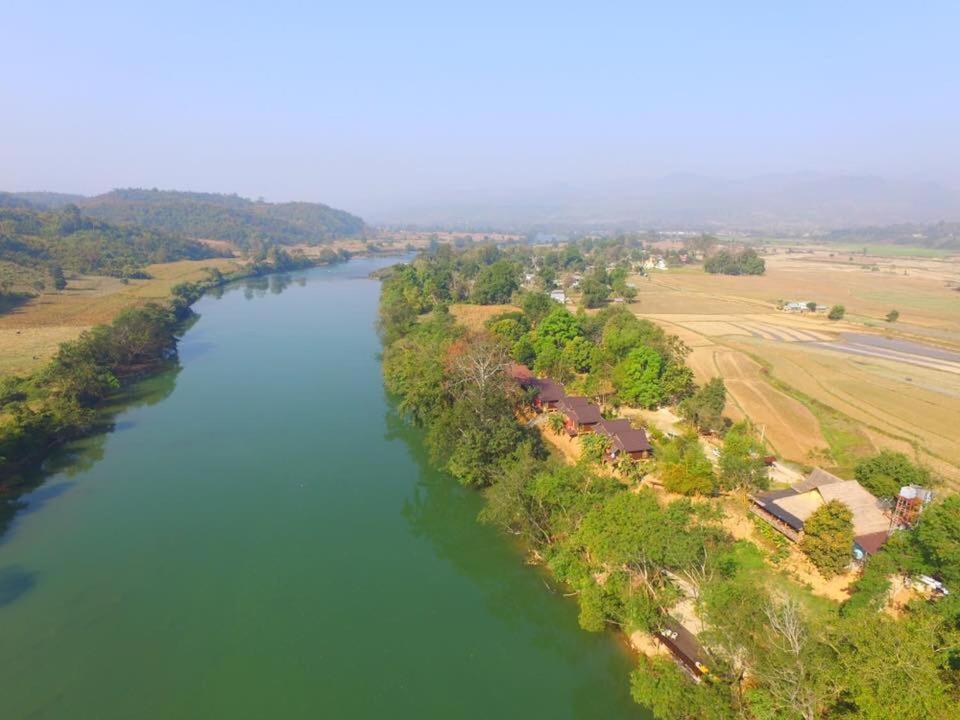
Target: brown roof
x,y
548,390
625,437
683,644
521,373
580,410
871,542
815,479
797,503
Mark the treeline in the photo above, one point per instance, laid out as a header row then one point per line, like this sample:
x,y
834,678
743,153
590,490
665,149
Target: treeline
x,y
942,235
745,262
628,555
225,217
66,240
60,402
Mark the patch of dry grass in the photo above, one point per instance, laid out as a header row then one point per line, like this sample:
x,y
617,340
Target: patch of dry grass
x,y
473,317
31,333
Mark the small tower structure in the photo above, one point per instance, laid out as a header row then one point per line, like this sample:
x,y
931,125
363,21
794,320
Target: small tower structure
x,y
910,503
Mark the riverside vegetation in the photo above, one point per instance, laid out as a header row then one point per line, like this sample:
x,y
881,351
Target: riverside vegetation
x,y
629,553
60,402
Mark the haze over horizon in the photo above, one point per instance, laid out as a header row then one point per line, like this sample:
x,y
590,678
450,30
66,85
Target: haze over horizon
x,y
544,112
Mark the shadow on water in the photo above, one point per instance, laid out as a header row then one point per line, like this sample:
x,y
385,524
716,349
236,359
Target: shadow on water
x,y
444,513
15,582
28,492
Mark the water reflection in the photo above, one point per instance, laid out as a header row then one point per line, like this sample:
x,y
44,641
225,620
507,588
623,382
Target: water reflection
x,y
445,513
26,492
15,582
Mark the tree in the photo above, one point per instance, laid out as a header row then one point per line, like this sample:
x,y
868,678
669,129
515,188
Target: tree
x,y
742,463
812,306
496,283
893,316
555,330
595,289
828,538
705,407
887,471
937,538
509,326
637,378
661,686
509,503
684,468
594,447
676,382
57,277
536,306
893,669
745,262
836,312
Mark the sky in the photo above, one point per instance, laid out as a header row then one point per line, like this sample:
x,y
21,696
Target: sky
x,y
371,106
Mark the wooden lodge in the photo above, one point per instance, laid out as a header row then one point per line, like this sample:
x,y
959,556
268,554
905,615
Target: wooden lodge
x,y
787,510
547,393
580,415
625,439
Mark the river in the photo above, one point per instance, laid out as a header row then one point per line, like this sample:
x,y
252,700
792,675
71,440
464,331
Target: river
x,y
259,536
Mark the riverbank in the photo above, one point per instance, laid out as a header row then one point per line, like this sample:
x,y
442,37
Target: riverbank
x,y
61,401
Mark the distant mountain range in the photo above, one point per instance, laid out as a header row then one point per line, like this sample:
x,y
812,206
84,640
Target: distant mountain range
x,y
789,202
209,216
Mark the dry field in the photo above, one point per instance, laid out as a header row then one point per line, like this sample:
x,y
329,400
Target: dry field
x,y
828,392
31,333
474,316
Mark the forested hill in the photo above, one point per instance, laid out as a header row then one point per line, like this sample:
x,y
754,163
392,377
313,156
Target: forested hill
x,y
224,217
33,241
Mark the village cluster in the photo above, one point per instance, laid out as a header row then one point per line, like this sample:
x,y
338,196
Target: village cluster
x,y
582,416
786,510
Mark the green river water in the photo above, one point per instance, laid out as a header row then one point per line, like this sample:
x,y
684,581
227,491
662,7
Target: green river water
x,y
259,536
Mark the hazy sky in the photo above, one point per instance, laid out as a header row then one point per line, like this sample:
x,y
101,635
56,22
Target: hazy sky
x,y
367,105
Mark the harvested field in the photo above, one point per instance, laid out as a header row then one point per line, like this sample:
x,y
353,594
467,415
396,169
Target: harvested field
x,y
835,391
788,425
902,404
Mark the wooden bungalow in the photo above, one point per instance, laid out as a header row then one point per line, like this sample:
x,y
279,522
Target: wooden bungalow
x,y
625,439
580,415
549,394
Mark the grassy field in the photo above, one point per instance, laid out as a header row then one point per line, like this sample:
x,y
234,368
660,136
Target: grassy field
x,y
31,333
474,316
799,377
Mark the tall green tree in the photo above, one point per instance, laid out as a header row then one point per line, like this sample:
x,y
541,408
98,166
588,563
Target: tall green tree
x,y
637,378
886,472
742,465
828,538
705,407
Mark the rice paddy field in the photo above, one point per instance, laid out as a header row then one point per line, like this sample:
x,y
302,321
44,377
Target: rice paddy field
x,y
827,393
31,333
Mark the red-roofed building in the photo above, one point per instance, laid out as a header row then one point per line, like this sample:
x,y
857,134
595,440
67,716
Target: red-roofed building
x,y
581,415
625,439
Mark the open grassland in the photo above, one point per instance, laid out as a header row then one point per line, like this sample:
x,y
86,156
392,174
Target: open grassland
x,y
473,317
31,333
827,392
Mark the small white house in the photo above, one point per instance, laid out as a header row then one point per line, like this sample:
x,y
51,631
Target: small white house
x,y
559,295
